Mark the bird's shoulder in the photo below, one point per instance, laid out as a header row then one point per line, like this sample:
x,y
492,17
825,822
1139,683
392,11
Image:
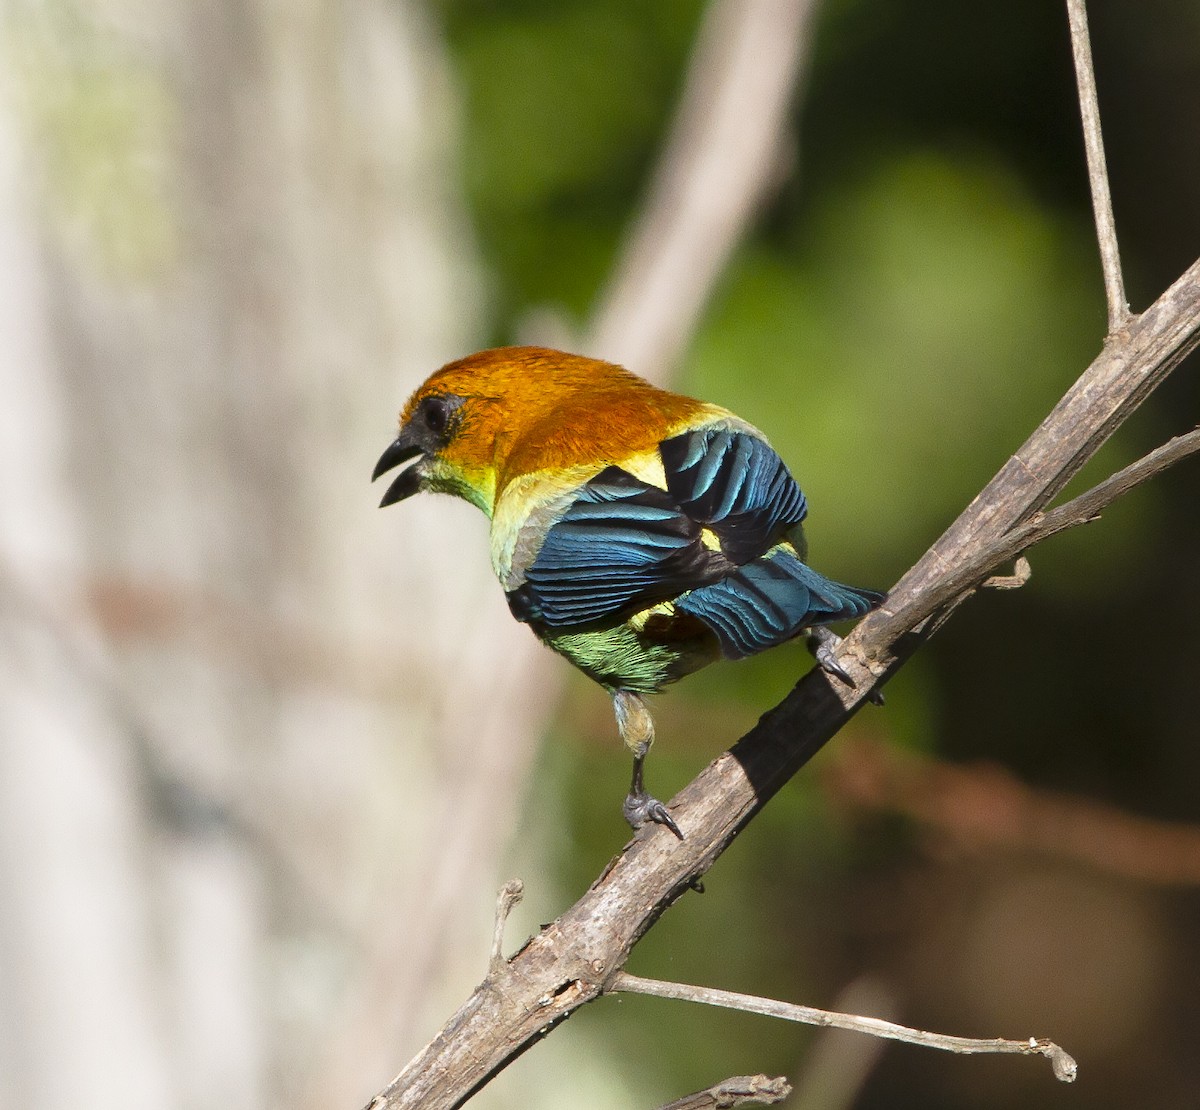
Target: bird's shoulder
x,y
526,508
600,428
712,467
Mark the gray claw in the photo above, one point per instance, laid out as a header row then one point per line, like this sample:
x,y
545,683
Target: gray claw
x,y
824,645
640,808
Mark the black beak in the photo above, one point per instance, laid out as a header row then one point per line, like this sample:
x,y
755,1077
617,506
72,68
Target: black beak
x,y
409,481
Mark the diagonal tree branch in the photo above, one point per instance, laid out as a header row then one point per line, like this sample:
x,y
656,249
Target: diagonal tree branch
x,y
1123,375
573,960
954,586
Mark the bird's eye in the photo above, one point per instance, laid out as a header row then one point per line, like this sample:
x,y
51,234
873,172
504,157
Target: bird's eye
x,y
437,412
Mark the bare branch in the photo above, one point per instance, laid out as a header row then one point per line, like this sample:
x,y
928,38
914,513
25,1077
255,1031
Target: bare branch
x,y
1083,509
573,959
1123,375
1088,505
739,1090
1106,228
1064,1066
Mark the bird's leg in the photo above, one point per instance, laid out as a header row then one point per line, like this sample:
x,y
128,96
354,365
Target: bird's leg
x,y
637,732
823,643
640,807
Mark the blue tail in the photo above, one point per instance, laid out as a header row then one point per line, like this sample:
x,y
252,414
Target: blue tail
x,y
771,600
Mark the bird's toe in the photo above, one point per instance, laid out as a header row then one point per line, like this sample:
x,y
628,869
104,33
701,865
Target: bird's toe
x,y
641,808
824,645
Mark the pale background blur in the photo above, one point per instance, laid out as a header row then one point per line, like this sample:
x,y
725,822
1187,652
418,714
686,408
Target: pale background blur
x,y
267,753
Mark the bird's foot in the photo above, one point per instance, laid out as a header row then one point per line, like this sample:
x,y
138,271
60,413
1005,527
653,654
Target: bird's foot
x,y
640,807
824,644
637,731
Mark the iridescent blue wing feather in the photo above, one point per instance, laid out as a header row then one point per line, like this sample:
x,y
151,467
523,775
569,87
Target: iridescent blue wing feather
x,y
740,488
621,545
735,484
771,600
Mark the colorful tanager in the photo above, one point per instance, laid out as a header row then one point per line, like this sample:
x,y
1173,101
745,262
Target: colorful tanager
x,y
639,533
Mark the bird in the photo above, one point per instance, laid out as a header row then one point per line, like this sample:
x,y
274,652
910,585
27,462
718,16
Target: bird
x,y
639,533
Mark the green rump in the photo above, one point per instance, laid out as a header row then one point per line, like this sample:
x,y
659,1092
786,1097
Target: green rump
x,y
642,661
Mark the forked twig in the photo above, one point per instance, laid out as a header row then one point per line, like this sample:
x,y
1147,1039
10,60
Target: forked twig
x,y
955,586
508,898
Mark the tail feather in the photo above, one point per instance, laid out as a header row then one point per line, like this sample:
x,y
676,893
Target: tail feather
x,y
772,600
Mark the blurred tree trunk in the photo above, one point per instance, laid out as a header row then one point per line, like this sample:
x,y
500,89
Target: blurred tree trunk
x,y
78,1001
231,694
261,747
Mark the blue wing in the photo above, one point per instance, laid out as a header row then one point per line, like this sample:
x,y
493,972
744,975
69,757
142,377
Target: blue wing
x,y
735,484
621,545
770,600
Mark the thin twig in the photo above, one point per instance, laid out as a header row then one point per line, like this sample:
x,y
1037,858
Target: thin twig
x,y
1062,1063
1083,509
738,1090
508,897
1128,369
1087,505
1093,141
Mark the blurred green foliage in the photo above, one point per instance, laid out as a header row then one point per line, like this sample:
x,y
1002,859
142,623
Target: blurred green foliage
x,y
566,106
914,299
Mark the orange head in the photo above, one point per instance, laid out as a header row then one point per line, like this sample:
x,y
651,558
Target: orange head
x,y
481,421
